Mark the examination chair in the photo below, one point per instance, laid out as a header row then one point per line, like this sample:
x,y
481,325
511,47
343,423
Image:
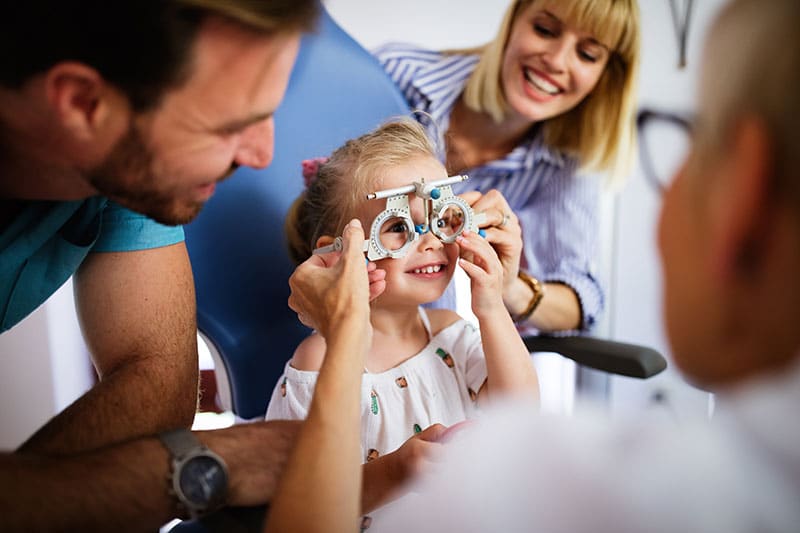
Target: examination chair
x,y
238,250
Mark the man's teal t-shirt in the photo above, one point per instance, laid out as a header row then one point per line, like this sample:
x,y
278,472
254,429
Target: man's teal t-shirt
x,y
48,241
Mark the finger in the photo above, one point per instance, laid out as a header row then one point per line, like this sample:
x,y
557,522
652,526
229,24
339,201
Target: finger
x,y
431,433
376,289
377,282
500,218
325,260
453,430
472,242
377,274
504,242
473,271
475,258
306,321
494,199
298,308
494,204
471,197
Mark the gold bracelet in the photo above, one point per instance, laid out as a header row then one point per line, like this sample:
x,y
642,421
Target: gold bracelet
x,y
538,294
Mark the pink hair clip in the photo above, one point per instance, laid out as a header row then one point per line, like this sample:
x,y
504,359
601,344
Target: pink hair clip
x,y
311,169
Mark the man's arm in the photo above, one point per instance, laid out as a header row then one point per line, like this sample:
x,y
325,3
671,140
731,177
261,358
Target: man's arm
x,y
137,313
321,487
125,487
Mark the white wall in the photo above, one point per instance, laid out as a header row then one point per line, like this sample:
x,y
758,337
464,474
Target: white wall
x,y
635,313
44,367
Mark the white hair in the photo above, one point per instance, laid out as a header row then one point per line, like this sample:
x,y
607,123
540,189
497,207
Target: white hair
x,y
752,64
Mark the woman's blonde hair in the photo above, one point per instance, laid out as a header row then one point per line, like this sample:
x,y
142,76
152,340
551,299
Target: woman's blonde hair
x,y
343,181
600,131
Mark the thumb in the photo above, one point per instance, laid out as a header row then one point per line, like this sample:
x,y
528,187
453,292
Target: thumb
x,y
450,432
432,433
353,239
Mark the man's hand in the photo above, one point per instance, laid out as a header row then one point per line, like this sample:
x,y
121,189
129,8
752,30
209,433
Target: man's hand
x,y
327,288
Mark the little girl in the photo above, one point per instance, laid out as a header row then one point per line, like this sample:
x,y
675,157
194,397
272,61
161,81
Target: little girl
x,y
425,367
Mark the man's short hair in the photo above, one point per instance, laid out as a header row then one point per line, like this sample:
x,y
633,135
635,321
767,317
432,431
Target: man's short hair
x,y
753,68
141,46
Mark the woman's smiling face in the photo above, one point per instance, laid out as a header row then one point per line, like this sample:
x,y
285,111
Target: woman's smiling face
x,y
549,66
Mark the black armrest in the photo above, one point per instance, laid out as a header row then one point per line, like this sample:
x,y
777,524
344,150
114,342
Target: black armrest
x,y
608,356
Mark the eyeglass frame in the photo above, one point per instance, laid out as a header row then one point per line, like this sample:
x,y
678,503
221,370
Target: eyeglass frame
x,y
645,116
437,196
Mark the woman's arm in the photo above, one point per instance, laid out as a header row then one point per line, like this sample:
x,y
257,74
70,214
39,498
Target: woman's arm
x,y
560,308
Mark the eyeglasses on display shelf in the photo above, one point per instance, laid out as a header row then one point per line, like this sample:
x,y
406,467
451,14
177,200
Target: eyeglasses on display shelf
x,y
664,142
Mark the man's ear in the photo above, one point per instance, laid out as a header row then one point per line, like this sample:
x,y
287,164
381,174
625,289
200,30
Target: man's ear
x,y
81,99
741,206
325,240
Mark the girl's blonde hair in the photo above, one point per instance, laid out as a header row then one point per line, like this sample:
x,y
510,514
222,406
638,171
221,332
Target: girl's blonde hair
x,y
600,131
343,181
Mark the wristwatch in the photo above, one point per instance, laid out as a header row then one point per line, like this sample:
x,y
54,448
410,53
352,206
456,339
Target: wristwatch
x,y
537,291
199,476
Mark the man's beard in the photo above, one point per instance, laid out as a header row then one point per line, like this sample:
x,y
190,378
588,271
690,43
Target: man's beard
x,y
127,177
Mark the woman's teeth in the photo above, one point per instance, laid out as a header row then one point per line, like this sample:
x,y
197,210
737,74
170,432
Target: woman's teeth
x,y
541,83
428,269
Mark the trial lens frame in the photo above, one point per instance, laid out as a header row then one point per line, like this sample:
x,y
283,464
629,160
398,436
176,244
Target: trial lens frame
x,y
438,199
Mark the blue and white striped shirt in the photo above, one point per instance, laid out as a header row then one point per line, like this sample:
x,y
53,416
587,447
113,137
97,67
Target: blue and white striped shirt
x,y
558,209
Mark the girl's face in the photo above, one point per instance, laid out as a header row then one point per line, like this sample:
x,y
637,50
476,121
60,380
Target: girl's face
x,y
422,275
549,66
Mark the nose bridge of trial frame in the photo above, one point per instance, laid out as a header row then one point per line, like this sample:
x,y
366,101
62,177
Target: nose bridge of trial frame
x,y
428,192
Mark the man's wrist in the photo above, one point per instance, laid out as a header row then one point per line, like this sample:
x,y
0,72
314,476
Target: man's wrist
x,y
198,476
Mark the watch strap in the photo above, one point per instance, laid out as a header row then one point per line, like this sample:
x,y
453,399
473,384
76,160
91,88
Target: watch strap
x,y
183,446
180,441
536,298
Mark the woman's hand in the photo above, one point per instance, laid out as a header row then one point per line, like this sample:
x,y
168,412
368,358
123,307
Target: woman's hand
x,y
481,263
328,289
502,231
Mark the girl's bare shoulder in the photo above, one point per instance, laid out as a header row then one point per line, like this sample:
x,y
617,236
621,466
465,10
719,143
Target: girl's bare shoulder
x,y
441,318
310,353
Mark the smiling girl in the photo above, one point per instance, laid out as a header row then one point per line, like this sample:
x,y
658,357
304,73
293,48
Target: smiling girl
x,y
425,369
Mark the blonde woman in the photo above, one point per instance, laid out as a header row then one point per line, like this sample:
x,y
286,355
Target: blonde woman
x,y
549,99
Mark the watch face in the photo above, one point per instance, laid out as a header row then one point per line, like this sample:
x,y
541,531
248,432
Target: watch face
x,y
203,481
